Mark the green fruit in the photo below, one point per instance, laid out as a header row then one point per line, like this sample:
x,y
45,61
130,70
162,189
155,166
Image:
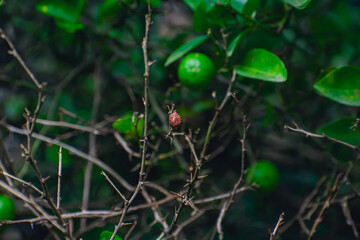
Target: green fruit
x,y
106,235
265,174
196,71
7,208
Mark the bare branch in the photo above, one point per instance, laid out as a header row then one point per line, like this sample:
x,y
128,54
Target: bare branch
x,y
313,135
74,151
147,65
113,185
332,193
227,203
59,179
278,224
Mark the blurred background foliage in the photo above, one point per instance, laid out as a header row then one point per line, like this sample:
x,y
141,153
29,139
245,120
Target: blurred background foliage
x,y
69,44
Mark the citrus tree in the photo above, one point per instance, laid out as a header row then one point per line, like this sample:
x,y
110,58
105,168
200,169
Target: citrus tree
x,y
193,119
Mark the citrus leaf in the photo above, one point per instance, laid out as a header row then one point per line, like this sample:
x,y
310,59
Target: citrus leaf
x,y
193,4
58,9
199,18
263,65
185,48
124,125
127,125
246,7
341,85
299,4
108,9
70,27
343,130
218,16
80,6
106,235
235,42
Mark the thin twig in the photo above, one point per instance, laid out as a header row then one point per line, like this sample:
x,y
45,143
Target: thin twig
x,y
113,185
188,221
147,65
29,128
28,200
278,224
195,176
103,214
59,179
6,174
125,146
304,205
347,214
130,230
332,193
313,135
74,151
227,203
68,125
154,208
14,52
225,195
216,115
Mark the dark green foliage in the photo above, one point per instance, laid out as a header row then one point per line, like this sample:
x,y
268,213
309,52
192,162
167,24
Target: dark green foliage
x,y
295,60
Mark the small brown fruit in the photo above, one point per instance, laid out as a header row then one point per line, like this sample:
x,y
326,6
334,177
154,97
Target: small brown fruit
x,y
175,120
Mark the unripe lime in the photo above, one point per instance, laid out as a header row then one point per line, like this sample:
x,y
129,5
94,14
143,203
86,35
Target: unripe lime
x,y
196,71
106,235
265,174
7,208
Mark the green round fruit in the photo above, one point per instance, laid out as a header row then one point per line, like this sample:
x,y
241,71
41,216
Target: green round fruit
x,y
196,71
265,174
106,235
7,208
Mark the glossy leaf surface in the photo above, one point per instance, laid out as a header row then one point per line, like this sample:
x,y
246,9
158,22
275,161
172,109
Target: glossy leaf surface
x,y
341,85
299,4
342,129
263,65
184,49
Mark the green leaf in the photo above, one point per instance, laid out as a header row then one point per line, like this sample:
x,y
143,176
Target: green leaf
x,y
58,9
185,48
218,16
106,235
70,27
193,4
129,125
263,65
80,6
343,130
341,85
109,9
235,42
299,4
246,7
199,18
155,3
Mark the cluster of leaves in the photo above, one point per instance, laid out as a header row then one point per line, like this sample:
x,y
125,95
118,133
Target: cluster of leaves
x,y
296,60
